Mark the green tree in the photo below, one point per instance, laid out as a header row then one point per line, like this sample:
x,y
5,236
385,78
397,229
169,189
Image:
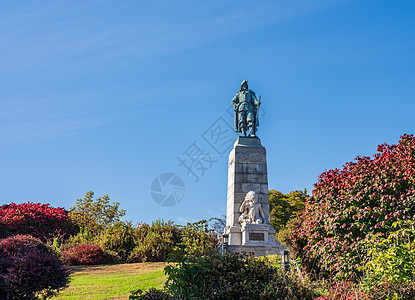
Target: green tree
x,y
95,215
284,207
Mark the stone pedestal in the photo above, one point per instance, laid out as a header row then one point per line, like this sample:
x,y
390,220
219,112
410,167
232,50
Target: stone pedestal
x,y
255,234
247,171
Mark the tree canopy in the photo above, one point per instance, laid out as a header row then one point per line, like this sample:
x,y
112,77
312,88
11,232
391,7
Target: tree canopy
x,y
95,215
284,207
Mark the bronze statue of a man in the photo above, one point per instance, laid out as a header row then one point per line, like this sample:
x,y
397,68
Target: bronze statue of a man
x,y
246,107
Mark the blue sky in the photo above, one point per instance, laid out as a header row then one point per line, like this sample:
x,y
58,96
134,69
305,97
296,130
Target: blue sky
x,y
107,95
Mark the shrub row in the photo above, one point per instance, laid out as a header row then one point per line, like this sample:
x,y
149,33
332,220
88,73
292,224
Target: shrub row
x,y
156,242
119,241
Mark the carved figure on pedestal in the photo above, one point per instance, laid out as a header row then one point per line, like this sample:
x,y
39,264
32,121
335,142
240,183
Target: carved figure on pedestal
x,y
246,107
244,210
252,212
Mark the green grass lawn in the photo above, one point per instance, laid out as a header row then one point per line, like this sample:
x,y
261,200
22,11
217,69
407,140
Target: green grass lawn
x,y
116,281
112,281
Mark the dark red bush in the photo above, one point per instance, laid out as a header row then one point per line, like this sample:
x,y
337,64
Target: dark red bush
x,y
36,219
86,254
27,266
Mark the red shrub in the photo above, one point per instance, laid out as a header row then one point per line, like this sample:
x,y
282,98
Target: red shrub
x,y
39,220
86,254
344,291
351,205
27,266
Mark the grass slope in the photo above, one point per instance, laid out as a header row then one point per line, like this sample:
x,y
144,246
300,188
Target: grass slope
x,y
112,281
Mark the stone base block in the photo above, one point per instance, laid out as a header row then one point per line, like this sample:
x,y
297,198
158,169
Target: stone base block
x,y
234,233
255,234
258,250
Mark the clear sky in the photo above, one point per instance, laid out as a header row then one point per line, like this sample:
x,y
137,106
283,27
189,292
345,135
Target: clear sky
x,y
107,95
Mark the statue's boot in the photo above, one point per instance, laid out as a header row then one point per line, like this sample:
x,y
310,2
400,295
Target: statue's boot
x,y
252,131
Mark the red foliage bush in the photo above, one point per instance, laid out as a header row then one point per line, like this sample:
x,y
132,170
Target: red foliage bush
x,y
351,205
343,290
86,254
39,220
27,266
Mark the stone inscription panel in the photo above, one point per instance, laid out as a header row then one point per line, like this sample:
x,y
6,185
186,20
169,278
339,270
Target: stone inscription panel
x,y
256,236
251,158
247,187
